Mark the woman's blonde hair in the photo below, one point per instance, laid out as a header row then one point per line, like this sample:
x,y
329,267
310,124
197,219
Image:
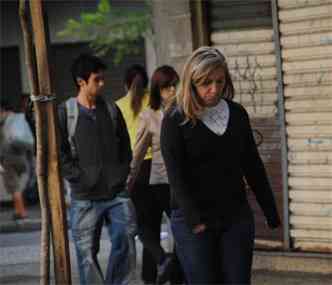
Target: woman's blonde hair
x,y
196,70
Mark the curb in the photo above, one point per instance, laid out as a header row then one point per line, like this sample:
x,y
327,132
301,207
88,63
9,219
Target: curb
x,y
20,226
293,262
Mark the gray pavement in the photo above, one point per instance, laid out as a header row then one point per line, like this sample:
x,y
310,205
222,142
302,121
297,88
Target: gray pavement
x,y
19,258
8,224
28,275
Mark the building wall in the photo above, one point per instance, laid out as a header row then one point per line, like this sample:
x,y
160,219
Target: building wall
x,y
63,50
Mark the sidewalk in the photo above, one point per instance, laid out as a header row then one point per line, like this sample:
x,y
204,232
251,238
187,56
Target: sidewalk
x,y
28,274
8,224
277,262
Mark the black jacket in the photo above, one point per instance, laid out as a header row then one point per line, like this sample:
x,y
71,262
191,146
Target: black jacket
x,y
101,166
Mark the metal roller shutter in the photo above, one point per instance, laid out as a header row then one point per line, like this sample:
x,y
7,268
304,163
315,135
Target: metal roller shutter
x,y
306,40
243,31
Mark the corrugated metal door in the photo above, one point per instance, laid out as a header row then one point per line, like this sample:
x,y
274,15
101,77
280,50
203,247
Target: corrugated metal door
x,y
306,40
243,31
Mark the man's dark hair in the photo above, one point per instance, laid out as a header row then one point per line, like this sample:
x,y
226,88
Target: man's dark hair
x,y
84,65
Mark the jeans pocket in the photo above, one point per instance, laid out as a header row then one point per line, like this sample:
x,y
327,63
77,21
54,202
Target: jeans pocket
x,y
82,215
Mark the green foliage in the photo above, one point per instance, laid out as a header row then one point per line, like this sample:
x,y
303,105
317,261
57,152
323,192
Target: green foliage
x,y
110,29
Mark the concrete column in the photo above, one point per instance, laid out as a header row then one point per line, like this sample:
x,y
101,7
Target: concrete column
x,y
150,56
173,32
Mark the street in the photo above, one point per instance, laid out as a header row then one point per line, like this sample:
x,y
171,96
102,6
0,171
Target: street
x,y
19,263
19,258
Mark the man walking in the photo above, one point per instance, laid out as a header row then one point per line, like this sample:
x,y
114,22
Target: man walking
x,y
95,155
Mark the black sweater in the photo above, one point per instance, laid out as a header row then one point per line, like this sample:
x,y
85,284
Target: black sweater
x,y
206,170
103,152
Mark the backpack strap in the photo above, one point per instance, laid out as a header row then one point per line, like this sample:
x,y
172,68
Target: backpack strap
x,y
72,118
113,111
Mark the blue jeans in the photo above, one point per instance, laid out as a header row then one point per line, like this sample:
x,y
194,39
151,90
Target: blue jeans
x,y
219,255
87,219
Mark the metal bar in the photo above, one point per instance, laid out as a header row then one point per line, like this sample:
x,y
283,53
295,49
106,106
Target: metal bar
x,y
281,112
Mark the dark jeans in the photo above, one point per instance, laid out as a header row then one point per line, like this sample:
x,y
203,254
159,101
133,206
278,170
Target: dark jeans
x,y
149,266
150,205
218,255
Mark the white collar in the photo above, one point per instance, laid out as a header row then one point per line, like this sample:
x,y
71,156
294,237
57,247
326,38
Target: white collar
x,y
216,118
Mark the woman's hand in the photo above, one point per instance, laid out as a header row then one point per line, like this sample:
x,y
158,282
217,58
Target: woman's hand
x,y
199,228
130,184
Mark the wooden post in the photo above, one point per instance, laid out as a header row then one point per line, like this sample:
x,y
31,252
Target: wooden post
x,y
200,32
54,181
40,145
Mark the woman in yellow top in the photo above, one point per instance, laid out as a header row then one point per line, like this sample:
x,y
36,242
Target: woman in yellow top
x,y
137,99
157,200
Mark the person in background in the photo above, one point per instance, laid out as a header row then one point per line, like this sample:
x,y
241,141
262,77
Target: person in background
x,y
156,200
31,190
208,147
14,156
95,155
136,101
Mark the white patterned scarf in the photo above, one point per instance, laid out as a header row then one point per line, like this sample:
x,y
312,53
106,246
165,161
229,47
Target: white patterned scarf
x,y
216,118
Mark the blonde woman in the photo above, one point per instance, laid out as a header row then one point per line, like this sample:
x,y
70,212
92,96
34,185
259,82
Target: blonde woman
x,y
208,147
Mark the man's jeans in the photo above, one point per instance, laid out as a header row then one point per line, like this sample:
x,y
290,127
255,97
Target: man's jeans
x,y
87,219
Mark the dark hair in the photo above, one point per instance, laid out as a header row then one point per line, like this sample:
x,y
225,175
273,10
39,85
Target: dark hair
x,y
136,81
163,77
84,65
5,104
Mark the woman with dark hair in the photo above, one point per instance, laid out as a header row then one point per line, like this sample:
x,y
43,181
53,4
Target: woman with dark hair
x,y
137,99
208,147
156,201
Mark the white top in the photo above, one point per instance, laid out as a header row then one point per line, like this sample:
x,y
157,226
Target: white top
x,y
216,118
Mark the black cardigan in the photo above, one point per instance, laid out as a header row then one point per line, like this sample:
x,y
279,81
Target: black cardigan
x,y
206,170
103,154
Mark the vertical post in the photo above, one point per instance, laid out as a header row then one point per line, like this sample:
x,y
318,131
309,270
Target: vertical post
x,y
282,121
173,32
40,144
54,182
200,31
